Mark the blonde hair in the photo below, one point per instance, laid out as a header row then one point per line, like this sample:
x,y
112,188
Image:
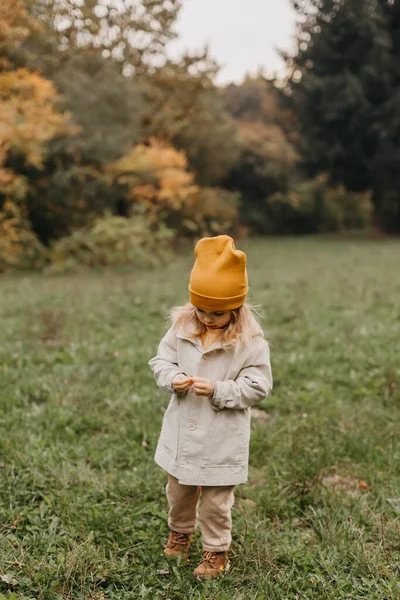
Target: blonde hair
x,y
243,329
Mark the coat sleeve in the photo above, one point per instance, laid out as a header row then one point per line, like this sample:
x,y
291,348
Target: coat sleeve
x,y
165,365
252,385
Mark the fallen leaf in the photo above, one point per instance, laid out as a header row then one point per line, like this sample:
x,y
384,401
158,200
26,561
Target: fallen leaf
x,y
163,572
339,482
363,485
8,579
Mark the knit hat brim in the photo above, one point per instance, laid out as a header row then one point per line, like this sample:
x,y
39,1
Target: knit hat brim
x,y
216,304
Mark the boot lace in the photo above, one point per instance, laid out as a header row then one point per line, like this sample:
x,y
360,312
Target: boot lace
x,y
209,557
179,539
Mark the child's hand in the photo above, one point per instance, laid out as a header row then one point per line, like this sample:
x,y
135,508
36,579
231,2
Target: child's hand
x,y
181,383
203,387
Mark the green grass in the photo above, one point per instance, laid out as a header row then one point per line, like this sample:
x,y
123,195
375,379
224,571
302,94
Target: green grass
x,y
83,509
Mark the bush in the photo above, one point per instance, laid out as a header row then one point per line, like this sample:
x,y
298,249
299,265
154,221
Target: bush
x,y
313,207
157,185
112,241
346,210
388,211
19,246
212,211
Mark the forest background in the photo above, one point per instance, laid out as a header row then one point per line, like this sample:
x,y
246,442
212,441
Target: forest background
x,y
112,153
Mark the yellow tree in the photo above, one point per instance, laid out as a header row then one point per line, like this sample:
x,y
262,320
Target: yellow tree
x,y
156,177
29,119
15,23
159,185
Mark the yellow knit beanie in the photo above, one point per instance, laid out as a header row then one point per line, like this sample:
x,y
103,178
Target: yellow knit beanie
x,y
218,280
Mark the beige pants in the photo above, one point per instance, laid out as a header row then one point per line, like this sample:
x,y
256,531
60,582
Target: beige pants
x,y
215,512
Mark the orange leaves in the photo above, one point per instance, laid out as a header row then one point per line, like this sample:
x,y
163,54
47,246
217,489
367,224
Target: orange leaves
x,y
11,234
157,155
28,115
14,22
29,118
28,121
160,186
12,184
269,141
9,220
15,25
157,175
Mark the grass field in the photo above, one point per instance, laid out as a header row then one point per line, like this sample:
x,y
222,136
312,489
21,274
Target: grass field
x,y
83,509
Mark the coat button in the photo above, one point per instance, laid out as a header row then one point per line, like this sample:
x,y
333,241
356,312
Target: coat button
x,y
191,426
205,356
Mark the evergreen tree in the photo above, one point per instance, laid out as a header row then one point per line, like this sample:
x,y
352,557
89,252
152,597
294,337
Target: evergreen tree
x,y
344,85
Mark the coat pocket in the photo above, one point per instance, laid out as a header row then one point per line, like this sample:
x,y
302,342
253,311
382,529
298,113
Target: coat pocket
x,y
226,444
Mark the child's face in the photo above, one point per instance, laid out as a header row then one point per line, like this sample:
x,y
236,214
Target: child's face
x,y
214,320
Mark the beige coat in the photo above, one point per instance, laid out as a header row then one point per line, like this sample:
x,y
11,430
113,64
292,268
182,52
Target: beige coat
x,y
205,441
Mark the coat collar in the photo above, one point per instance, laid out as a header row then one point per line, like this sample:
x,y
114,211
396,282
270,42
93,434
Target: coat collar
x,y
197,342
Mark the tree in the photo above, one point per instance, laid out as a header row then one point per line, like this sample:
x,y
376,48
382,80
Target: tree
x,y
103,103
344,89
15,23
29,120
156,177
106,107
157,185
387,197
133,33
184,108
176,102
68,191
268,160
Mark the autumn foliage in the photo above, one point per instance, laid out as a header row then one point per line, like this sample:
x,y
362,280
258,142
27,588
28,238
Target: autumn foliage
x,y
15,22
156,176
29,119
105,143
160,186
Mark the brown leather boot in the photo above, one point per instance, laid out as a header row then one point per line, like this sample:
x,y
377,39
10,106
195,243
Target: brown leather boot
x,y
178,544
212,564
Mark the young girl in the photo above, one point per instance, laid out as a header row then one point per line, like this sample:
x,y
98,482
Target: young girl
x,y
215,362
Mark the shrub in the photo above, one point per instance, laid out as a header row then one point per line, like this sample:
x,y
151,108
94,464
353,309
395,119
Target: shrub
x,y
112,241
388,211
346,210
154,176
211,211
19,246
158,185
314,207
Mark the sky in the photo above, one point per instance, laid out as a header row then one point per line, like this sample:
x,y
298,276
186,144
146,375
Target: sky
x,y
242,35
